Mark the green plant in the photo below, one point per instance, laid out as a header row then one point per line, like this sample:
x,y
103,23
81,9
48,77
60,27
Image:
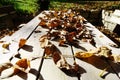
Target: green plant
x,y
22,6
26,6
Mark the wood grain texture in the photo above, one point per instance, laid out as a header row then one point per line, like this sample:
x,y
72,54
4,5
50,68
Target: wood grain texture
x,y
49,71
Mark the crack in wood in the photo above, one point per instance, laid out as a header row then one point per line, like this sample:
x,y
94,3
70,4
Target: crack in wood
x,y
40,67
18,54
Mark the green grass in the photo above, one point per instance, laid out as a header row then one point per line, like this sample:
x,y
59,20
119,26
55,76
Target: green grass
x,y
31,6
58,5
22,6
27,6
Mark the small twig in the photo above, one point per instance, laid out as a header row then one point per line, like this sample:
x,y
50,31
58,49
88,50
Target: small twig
x,y
101,73
73,53
78,72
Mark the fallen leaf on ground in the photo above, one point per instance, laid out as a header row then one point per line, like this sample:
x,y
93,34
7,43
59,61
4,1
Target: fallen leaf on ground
x,y
6,45
22,65
22,42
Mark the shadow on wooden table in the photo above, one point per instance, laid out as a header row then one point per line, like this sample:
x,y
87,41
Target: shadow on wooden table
x,y
73,73
28,48
35,72
74,70
103,63
24,76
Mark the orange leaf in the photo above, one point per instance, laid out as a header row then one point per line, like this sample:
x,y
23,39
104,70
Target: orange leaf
x,y
22,64
22,42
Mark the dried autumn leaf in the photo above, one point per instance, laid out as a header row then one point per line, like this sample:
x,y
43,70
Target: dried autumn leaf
x,y
48,50
42,23
43,41
61,62
54,23
70,37
7,73
68,21
54,34
9,69
99,52
5,66
104,51
72,14
55,14
6,45
22,42
2,41
83,55
62,43
115,58
22,65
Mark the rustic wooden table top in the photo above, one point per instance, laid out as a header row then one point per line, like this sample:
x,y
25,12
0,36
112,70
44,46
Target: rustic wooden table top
x,y
45,69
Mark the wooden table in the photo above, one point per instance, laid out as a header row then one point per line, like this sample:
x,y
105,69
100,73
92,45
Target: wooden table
x,y
48,69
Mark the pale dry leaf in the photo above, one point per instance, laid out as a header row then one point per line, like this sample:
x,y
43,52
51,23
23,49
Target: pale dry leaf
x,y
102,72
5,45
104,51
7,73
83,55
4,66
116,58
101,51
43,41
9,69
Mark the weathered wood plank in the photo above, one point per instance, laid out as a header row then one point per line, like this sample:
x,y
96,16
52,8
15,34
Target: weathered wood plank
x,y
32,47
29,76
101,39
115,18
23,32
51,72
92,70
31,50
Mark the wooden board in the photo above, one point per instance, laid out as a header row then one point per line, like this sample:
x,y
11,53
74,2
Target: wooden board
x,y
93,70
28,51
51,72
31,50
23,32
101,39
46,69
